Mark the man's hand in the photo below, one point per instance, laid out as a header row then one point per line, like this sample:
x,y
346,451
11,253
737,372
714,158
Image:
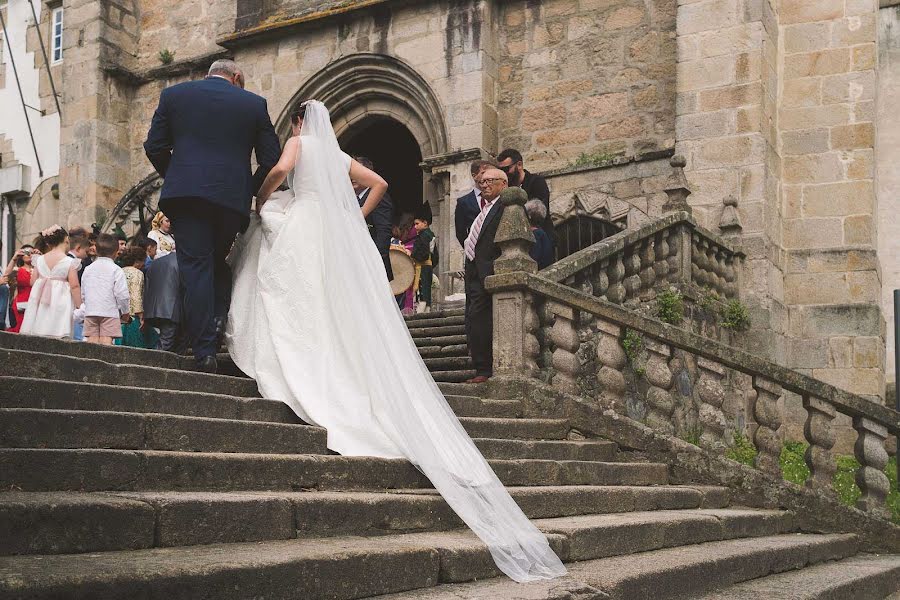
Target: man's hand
x,y
260,202
126,318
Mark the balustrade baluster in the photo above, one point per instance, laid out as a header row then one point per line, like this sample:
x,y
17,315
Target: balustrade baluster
x,y
716,268
673,261
730,277
616,293
698,258
873,458
601,282
660,403
768,418
821,438
661,246
648,274
612,361
532,345
565,342
632,274
711,391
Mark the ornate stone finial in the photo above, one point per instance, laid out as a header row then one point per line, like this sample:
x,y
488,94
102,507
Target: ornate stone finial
x,y
730,222
514,234
677,187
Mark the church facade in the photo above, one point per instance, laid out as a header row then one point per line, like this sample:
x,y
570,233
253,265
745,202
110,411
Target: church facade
x,y
782,108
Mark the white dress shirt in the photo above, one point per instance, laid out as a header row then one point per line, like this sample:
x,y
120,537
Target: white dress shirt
x,y
104,289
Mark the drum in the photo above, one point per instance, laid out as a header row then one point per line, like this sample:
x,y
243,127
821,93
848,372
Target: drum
x,y
404,270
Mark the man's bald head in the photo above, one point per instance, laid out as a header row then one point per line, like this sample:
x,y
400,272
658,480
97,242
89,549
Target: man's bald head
x,y
492,182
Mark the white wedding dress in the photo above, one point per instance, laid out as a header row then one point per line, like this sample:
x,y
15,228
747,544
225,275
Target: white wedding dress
x,y
313,321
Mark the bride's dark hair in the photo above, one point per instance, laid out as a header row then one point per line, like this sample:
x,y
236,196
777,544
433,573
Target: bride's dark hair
x,y
298,113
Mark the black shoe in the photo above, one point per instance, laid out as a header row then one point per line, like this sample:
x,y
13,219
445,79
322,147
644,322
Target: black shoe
x,y
220,330
208,364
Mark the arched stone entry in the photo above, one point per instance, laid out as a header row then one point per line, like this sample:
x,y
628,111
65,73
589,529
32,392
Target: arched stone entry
x,y
383,108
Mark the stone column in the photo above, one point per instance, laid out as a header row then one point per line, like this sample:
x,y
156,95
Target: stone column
x,y
768,417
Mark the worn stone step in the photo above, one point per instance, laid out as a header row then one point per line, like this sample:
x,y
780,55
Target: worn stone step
x,y
436,321
522,429
442,351
861,577
674,573
547,450
451,388
25,392
110,354
137,470
437,314
442,341
73,522
437,332
20,363
452,376
449,363
40,428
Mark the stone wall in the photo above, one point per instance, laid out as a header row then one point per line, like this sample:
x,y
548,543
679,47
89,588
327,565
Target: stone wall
x,y
586,77
187,29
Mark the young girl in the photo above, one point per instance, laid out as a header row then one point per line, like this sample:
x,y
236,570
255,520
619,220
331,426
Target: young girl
x,y
55,289
19,273
133,258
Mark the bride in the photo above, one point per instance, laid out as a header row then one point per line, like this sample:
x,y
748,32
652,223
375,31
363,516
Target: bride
x,y
313,321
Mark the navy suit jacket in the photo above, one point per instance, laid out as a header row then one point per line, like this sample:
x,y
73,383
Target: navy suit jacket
x,y
383,215
467,210
200,142
486,250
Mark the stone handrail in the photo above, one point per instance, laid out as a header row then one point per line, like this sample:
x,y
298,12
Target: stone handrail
x,y
673,250
583,321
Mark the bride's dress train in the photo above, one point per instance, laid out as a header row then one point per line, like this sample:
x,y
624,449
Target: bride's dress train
x,y
314,323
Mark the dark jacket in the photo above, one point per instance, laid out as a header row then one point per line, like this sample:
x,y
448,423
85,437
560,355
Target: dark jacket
x,y
162,289
467,210
486,251
536,187
383,215
201,139
542,251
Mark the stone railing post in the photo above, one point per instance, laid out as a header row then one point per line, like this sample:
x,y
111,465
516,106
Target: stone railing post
x,y
768,418
711,390
612,361
821,438
677,189
873,458
512,309
565,343
660,403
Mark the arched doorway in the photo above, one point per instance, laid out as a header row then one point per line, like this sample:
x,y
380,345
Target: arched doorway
x,y
396,155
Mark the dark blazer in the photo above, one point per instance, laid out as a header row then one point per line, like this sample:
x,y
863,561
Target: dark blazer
x,y
486,251
162,289
383,215
200,142
536,187
542,251
467,210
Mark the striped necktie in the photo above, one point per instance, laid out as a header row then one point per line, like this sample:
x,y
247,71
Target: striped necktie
x,y
472,239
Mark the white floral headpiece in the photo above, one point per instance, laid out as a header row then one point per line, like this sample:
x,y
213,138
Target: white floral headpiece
x,y
50,230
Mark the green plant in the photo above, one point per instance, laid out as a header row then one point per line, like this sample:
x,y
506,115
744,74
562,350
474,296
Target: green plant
x,y
633,344
735,316
166,56
593,159
793,462
743,450
708,299
670,306
691,435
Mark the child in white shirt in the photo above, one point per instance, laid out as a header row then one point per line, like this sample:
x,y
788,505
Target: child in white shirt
x,y
105,293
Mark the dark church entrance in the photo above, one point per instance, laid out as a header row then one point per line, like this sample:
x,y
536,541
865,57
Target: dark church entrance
x,y
396,155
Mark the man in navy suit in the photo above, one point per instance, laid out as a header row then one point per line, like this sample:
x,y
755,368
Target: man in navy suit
x,y
481,252
380,221
468,206
200,142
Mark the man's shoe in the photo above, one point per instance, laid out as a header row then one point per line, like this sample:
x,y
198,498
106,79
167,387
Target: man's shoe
x,y
477,379
208,364
220,329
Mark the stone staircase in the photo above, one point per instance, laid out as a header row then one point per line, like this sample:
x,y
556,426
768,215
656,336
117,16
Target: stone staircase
x,y
125,475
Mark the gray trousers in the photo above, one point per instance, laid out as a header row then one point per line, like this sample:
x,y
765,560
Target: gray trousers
x,y
169,335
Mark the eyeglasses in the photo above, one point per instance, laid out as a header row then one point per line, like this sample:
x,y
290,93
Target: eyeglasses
x,y
490,181
509,168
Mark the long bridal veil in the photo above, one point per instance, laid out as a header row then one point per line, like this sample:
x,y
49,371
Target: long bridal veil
x,y
403,397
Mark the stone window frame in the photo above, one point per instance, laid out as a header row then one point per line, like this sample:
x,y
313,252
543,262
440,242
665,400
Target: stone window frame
x,y
56,51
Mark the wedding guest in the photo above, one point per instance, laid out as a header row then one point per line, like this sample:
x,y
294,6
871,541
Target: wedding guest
x,y
379,220
162,235
18,271
406,235
4,298
56,291
425,253
510,161
132,332
481,252
542,251
162,301
105,292
468,206
122,239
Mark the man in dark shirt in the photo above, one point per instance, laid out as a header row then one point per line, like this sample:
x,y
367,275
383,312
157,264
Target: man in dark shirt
x,y
510,161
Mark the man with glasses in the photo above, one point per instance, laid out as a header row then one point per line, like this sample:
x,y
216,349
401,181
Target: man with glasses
x,y
481,252
534,185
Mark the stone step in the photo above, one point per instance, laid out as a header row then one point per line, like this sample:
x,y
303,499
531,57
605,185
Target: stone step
x,y
40,428
110,354
341,567
520,429
861,577
436,321
435,332
143,470
443,340
24,392
547,450
441,351
21,363
449,363
452,376
669,574
462,389
438,314
73,522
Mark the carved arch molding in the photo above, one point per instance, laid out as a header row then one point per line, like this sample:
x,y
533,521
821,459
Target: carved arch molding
x,y
364,85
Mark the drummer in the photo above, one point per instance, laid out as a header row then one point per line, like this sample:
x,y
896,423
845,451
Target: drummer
x,y
405,233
